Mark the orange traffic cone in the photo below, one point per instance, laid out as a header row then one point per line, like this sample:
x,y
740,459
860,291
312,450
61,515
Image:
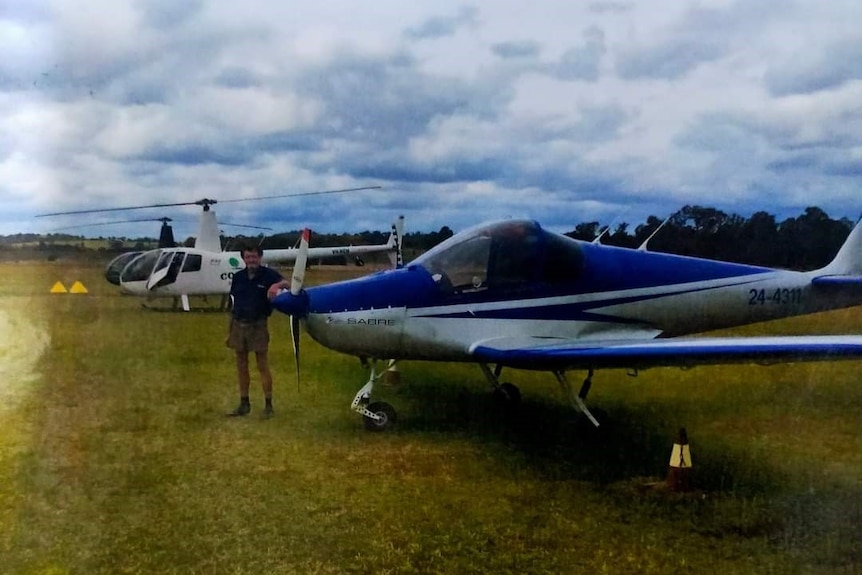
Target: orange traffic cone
x,y
679,469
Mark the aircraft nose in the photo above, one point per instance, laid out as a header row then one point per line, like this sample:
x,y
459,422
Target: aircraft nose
x,y
290,304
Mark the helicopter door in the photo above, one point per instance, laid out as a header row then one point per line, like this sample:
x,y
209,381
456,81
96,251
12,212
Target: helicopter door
x,y
166,273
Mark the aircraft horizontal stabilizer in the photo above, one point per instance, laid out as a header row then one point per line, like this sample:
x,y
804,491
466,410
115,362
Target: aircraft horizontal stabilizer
x,y
838,281
559,354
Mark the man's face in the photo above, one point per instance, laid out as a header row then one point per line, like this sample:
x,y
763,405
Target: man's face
x,y
251,259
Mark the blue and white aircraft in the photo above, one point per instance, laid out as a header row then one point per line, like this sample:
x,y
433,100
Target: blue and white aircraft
x,y
511,294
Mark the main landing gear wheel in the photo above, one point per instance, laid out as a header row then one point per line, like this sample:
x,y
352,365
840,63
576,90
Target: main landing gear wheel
x,y
509,393
386,414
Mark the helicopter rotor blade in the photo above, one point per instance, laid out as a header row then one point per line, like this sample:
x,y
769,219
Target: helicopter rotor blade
x,y
163,220
244,226
302,194
207,202
104,210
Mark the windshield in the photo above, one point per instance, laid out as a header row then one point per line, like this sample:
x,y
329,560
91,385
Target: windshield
x,y
487,256
115,266
139,269
507,255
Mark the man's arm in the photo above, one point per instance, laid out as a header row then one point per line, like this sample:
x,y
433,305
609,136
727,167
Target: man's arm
x,y
277,286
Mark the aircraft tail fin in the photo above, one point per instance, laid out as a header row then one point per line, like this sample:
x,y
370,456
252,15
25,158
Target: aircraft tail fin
x,y
848,261
396,239
208,235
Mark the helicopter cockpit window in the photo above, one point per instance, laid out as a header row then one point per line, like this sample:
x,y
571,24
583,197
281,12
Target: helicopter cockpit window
x,y
174,263
116,266
164,259
192,263
140,268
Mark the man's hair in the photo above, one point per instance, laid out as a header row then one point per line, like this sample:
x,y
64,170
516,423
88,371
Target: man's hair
x,y
250,247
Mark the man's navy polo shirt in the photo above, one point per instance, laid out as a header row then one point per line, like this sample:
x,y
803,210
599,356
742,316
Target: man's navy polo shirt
x,y
250,302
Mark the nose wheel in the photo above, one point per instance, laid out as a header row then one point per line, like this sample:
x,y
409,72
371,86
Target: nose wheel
x,y
376,415
379,416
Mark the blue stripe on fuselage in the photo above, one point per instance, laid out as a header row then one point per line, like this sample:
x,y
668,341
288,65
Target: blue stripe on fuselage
x,y
568,311
605,269
608,268
405,287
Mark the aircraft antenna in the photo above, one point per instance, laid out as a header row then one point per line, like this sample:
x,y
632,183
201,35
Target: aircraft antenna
x,y
643,246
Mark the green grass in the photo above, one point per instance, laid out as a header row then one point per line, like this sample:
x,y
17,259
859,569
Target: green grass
x,y
115,457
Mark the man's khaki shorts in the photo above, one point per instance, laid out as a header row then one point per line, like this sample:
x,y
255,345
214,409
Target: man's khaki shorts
x,y
248,336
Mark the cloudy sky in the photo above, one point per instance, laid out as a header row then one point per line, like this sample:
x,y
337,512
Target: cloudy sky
x,y
562,111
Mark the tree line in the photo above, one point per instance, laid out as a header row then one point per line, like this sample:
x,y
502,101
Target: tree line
x,y
807,241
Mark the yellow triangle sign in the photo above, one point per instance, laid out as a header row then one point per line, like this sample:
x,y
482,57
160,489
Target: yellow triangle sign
x,y
78,287
59,288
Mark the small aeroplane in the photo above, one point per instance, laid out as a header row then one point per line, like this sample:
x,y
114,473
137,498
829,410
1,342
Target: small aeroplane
x,y
511,294
204,270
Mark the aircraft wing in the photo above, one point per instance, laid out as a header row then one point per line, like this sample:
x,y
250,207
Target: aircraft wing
x,y
543,353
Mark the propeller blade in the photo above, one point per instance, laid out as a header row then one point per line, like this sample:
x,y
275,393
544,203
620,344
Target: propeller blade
x,y
299,265
294,334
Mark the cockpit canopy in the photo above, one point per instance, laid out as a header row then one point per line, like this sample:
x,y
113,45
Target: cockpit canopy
x,y
115,266
144,265
140,268
503,255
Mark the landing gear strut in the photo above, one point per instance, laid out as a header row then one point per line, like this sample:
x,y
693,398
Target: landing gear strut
x,y
506,391
378,415
512,394
578,400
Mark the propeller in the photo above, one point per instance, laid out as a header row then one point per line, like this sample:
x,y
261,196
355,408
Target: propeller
x,y
299,265
207,202
300,299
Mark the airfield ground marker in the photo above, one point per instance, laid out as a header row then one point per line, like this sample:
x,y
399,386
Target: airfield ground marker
x,y
77,287
680,465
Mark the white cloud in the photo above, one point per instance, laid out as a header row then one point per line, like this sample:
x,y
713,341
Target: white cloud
x,y
563,110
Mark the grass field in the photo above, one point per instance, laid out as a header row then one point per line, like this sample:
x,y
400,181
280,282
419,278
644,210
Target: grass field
x,y
115,457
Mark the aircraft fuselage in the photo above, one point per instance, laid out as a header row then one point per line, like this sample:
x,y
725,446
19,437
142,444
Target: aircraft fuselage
x,y
607,294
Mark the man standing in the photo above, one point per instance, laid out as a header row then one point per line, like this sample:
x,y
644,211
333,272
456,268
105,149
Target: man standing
x,y
250,291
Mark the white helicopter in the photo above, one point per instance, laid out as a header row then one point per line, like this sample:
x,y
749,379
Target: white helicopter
x,y
205,270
